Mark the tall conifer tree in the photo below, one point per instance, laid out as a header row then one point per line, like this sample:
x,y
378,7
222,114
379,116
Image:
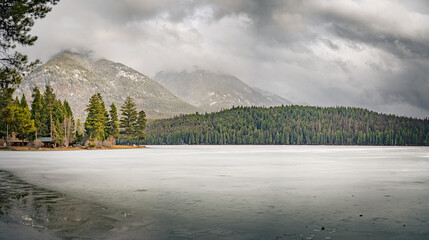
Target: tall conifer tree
x,y
114,122
23,102
105,119
68,124
141,126
20,120
79,131
48,102
36,109
95,124
129,119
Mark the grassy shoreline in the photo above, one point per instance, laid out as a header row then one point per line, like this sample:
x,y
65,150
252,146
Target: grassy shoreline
x,y
69,148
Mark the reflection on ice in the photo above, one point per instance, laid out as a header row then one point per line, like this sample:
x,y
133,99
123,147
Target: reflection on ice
x,y
43,209
222,192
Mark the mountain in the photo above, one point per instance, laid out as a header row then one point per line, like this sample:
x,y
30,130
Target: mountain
x,y
213,91
290,125
76,77
276,99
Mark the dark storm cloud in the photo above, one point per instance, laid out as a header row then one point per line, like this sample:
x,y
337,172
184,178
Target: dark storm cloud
x,y
122,12
373,54
278,20
407,39
370,30
410,86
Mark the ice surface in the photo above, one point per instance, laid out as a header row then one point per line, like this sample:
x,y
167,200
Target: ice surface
x,y
244,192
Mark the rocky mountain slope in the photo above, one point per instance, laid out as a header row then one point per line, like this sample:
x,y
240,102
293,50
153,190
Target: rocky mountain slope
x,y
212,91
75,77
274,98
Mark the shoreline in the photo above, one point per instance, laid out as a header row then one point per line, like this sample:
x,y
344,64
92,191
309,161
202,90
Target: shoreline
x,y
116,147
80,148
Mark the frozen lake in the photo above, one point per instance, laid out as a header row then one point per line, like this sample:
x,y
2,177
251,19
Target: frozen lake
x,y
217,192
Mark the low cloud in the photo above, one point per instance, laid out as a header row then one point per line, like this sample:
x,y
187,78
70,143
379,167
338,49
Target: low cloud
x,y
354,53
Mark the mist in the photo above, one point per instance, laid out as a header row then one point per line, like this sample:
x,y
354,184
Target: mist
x,y
366,54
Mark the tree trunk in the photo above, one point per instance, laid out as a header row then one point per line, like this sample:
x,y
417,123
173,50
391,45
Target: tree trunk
x,y
7,135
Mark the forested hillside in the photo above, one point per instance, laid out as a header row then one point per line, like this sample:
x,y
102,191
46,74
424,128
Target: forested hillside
x,y
290,125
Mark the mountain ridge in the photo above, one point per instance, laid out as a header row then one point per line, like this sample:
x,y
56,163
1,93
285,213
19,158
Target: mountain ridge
x,y
75,77
215,91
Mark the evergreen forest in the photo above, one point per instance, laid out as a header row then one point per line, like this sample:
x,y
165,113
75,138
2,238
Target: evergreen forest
x,y
290,125
49,117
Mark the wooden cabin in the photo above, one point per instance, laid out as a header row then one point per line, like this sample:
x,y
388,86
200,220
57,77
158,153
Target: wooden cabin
x,y
47,141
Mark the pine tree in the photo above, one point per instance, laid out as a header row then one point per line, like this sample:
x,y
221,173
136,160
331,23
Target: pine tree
x,y
114,122
141,126
19,120
69,112
58,116
48,102
8,119
91,123
128,119
24,123
17,17
79,131
57,133
69,126
23,102
105,117
95,124
36,109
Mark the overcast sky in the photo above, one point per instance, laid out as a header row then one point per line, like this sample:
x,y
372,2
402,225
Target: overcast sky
x,y
363,53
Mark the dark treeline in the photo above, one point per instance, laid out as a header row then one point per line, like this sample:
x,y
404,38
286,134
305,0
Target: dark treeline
x,y
290,125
